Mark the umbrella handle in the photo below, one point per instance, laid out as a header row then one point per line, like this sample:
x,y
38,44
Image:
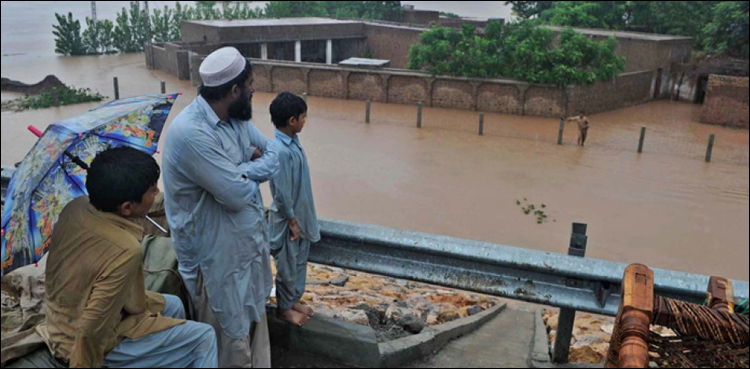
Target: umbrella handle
x,y
35,131
75,159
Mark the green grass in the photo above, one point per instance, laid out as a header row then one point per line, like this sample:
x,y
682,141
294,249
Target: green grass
x,y
58,96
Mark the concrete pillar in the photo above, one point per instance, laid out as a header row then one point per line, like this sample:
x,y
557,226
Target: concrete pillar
x,y
270,77
298,51
329,52
306,76
475,95
430,90
264,51
386,79
522,96
345,87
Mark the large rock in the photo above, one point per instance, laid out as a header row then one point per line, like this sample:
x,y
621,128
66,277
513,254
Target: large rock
x,y
585,355
354,316
412,324
448,316
340,281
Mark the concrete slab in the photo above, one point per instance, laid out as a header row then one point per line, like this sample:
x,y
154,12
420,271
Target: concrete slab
x,y
410,349
332,340
505,342
327,337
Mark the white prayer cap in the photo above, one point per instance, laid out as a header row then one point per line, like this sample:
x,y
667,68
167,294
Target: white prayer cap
x,y
222,66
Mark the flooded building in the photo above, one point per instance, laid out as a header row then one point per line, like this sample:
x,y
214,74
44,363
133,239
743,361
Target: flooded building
x,y
302,55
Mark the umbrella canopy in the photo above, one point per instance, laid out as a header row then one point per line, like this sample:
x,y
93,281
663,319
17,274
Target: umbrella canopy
x,y
48,178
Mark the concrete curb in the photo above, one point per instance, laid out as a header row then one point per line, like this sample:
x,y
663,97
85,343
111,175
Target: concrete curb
x,y
333,339
540,352
432,339
357,345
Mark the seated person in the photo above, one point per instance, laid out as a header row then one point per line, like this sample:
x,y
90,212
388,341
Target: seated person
x,y
98,310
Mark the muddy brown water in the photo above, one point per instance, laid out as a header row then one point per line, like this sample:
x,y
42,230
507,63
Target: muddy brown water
x,y
665,208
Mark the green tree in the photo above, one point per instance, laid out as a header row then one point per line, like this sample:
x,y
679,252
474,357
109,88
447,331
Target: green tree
x,y
346,13
98,37
131,29
434,52
286,9
106,36
587,14
139,24
180,14
383,10
205,4
684,18
728,31
92,38
447,51
449,15
207,13
522,51
529,9
574,14
68,40
161,22
230,12
123,34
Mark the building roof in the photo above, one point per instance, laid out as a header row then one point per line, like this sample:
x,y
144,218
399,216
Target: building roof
x,y
266,22
365,62
620,34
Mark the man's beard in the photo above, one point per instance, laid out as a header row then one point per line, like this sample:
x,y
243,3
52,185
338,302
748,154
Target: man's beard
x,y
241,109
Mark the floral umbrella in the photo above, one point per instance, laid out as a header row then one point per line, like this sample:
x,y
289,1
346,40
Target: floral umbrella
x,y
49,178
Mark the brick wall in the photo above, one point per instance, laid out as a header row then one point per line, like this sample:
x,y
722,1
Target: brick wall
x,y
289,79
366,86
407,90
726,101
327,83
402,87
391,42
626,90
545,101
498,98
453,95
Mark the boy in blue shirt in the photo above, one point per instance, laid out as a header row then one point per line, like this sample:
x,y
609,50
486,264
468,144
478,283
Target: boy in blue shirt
x,y
293,222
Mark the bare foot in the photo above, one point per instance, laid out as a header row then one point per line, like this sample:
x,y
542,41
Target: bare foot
x,y
294,317
303,309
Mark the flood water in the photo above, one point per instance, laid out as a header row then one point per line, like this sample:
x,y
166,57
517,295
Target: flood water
x,y
665,208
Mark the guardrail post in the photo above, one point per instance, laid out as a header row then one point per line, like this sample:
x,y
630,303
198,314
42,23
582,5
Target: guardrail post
x,y
562,130
566,320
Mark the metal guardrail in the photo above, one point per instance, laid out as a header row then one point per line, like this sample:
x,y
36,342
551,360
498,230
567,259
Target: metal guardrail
x,y
534,276
539,277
